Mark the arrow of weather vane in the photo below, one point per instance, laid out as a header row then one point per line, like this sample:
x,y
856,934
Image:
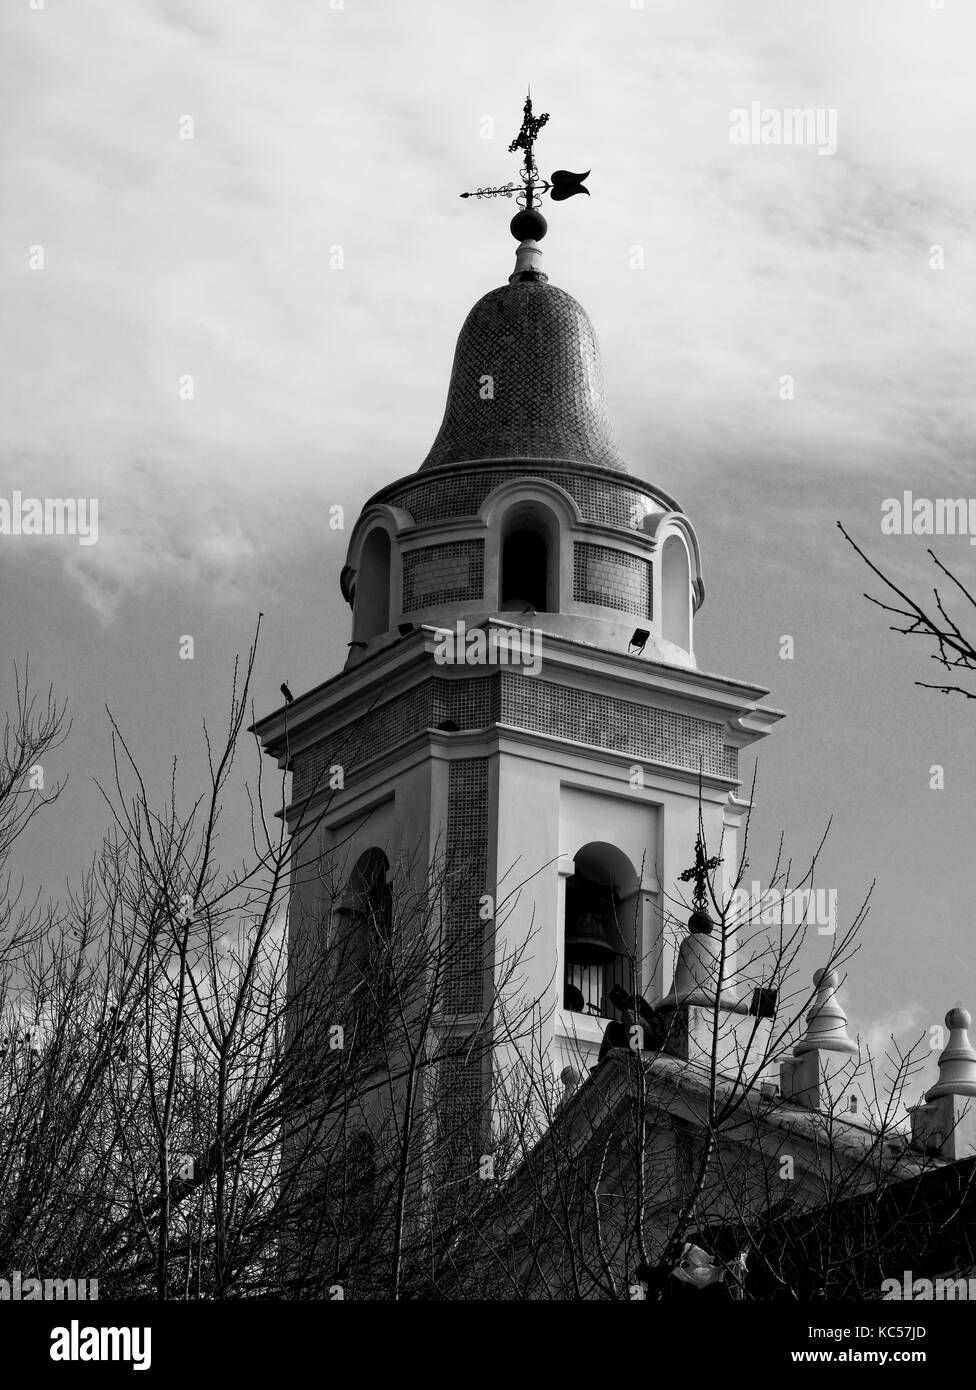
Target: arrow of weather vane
x,y
560,185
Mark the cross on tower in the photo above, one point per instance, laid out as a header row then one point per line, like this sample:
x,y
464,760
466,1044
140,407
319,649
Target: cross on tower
x,y
560,185
525,140
698,874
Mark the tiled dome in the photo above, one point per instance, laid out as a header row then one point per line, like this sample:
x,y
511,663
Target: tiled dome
x,y
539,349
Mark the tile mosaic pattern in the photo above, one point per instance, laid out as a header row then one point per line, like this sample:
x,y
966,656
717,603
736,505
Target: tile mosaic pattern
x,y
455,495
471,704
538,348
607,721
612,579
467,879
443,574
506,696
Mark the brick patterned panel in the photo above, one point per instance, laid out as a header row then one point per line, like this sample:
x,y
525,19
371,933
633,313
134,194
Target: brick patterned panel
x,y
603,500
612,578
503,695
471,704
605,721
447,573
461,1119
466,882
537,345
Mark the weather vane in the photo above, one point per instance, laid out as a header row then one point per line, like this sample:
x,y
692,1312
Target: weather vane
x,y
698,874
560,185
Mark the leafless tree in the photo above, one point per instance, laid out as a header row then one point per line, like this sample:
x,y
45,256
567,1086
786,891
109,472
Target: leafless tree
x,y
189,1110
954,651
202,1099
33,731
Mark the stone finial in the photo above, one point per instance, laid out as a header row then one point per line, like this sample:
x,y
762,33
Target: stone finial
x,y
826,1021
570,1078
528,262
957,1060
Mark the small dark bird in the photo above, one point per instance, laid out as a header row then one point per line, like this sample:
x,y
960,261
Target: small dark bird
x,y
289,697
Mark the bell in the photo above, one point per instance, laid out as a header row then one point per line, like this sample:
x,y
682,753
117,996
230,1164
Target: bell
x,y
587,942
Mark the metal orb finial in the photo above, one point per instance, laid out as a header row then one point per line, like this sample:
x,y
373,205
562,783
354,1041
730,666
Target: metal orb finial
x,y
528,225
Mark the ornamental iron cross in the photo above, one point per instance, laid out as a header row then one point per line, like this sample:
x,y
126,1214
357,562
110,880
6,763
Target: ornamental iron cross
x,y
560,185
698,873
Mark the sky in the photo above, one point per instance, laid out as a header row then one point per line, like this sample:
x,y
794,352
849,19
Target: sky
x,y
306,260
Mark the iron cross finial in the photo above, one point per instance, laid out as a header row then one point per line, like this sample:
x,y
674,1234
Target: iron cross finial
x,y
698,873
560,185
525,140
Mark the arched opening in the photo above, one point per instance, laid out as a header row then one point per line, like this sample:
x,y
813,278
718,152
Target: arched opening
x,y
365,951
527,571
675,594
602,929
373,587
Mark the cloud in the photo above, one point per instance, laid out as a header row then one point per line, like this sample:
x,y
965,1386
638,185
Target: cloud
x,y
315,128
905,1022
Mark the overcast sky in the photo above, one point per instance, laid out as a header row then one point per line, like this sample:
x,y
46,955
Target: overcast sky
x,y
316,127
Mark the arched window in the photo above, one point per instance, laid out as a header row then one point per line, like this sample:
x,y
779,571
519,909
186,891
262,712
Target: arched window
x,y
602,929
527,571
365,950
675,593
373,587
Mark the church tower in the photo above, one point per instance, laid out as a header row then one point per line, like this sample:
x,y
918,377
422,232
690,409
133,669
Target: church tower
x,y
522,699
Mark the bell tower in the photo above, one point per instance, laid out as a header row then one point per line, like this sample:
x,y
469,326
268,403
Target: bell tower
x,y
522,699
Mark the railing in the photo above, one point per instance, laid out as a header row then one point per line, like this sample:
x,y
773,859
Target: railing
x,y
587,988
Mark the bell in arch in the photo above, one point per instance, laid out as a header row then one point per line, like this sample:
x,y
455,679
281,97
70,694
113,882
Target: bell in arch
x,y
587,942
589,907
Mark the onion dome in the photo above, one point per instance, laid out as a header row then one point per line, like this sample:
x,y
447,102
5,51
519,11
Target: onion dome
x,y
527,382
